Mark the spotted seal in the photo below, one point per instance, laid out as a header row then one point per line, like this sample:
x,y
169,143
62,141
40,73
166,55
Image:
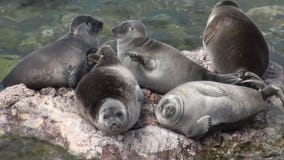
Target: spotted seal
x,y
59,63
158,66
194,108
110,95
233,41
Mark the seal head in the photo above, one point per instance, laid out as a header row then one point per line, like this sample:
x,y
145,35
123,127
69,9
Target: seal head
x,y
113,115
170,110
129,30
110,96
83,23
226,3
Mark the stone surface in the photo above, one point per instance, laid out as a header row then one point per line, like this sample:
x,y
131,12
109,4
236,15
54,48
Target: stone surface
x,y
52,115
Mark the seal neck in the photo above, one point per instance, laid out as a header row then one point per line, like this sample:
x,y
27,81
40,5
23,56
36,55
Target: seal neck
x,y
124,46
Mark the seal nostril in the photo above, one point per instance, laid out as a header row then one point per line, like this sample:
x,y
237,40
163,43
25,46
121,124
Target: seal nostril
x,y
169,110
100,24
113,124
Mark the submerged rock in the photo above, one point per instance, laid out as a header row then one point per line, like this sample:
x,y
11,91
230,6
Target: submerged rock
x,y
52,115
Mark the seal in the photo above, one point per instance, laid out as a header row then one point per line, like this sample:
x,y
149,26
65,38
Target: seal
x,y
194,108
59,63
233,41
158,66
110,95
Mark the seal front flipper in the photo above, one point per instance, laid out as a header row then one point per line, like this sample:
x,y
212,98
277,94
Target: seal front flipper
x,y
148,63
75,74
201,126
139,94
73,78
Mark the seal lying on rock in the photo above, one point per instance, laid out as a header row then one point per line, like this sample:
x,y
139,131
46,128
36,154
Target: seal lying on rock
x,y
233,41
61,63
158,66
194,108
110,95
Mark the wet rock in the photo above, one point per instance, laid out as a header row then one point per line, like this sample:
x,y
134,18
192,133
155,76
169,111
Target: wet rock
x,y
52,115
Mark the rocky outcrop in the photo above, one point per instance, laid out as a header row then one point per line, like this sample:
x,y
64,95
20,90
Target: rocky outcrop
x,y
52,115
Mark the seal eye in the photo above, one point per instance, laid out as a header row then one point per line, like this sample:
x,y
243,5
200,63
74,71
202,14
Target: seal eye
x,y
89,23
131,28
118,114
106,116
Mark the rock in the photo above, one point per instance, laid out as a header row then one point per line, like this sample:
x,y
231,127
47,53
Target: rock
x,y
52,115
55,118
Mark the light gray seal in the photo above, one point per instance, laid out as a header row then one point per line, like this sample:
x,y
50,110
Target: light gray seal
x,y
61,63
110,95
158,66
233,41
194,108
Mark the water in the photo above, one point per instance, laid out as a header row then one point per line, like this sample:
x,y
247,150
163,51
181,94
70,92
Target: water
x,y
26,25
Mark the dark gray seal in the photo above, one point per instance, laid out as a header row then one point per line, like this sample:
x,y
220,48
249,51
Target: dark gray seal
x,y
110,95
59,63
156,65
194,108
233,41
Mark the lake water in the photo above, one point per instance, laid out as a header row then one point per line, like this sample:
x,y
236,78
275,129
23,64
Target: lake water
x,y
26,25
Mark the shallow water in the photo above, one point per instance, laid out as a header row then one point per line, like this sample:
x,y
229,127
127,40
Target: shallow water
x,y
26,25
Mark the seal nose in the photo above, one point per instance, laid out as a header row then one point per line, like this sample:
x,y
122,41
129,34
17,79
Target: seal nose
x,y
98,25
114,125
113,30
169,110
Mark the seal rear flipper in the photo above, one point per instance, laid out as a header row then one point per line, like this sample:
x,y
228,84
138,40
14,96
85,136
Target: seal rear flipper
x,y
74,75
250,79
252,83
271,91
201,126
232,78
148,63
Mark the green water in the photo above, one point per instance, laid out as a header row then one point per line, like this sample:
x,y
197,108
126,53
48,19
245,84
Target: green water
x,y
26,25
